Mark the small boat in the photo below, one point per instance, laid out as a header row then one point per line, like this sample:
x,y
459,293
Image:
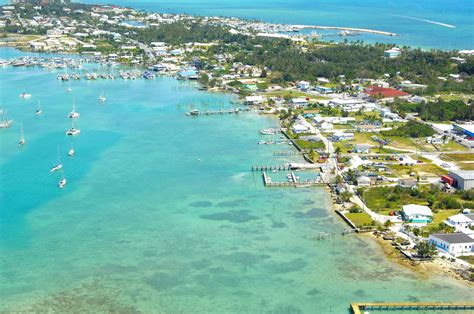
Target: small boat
x,y
58,165
73,131
22,140
73,114
268,131
38,111
68,90
194,112
25,95
62,183
5,123
102,98
71,152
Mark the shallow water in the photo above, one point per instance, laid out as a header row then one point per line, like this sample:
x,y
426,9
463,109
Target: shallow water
x,y
161,211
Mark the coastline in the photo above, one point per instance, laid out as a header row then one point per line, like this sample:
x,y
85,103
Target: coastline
x,y
423,269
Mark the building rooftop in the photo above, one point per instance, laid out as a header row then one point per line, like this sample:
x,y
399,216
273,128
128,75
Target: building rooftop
x,y
465,174
385,92
453,237
459,218
413,209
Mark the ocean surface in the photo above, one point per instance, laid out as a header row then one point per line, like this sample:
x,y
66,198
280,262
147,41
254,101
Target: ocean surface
x,y
423,24
162,213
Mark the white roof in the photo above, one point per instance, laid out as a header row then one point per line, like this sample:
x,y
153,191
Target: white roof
x,y
413,209
459,218
467,127
364,179
253,98
299,100
346,101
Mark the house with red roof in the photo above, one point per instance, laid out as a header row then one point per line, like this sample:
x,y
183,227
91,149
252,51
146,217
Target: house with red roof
x,y
383,93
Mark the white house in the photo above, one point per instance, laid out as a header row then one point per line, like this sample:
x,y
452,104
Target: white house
x,y
299,102
303,85
418,214
461,223
325,126
455,243
254,100
299,128
364,181
362,148
392,53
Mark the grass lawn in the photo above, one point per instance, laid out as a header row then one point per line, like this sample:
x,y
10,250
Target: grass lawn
x,y
466,165
376,200
453,146
419,169
359,219
308,145
469,259
292,93
442,215
459,157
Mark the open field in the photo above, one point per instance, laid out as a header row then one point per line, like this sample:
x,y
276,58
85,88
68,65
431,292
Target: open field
x,y
419,169
359,219
458,157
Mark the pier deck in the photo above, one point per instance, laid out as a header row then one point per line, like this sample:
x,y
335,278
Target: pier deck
x,y
358,307
295,182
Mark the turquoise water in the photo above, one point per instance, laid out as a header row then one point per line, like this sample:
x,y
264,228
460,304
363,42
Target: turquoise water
x,y
386,15
161,212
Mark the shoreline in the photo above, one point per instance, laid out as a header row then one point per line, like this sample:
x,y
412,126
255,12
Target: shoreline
x,y
423,269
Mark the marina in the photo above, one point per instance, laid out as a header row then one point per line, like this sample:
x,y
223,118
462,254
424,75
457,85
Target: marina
x,y
359,308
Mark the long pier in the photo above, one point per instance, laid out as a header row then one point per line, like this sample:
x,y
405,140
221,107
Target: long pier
x,y
358,307
196,113
352,29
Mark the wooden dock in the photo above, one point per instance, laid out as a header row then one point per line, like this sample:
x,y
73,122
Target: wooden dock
x,y
358,307
271,168
196,113
267,181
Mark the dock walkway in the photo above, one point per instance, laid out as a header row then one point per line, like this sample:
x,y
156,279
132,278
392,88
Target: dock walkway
x,y
358,307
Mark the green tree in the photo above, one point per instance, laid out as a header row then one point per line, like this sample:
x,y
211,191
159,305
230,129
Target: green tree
x,y
424,249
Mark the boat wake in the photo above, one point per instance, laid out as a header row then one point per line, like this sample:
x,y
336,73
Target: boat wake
x,y
423,20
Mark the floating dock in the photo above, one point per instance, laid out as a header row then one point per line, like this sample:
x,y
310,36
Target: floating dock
x,y
271,168
422,306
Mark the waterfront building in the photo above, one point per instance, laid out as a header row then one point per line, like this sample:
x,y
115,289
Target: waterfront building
x,y
299,102
392,53
455,244
254,100
383,93
418,214
463,179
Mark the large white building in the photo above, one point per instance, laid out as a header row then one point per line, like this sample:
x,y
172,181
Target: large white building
x,y
417,214
463,179
455,244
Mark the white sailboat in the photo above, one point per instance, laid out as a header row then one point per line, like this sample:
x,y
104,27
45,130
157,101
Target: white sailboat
x,y
73,131
71,152
38,111
102,97
25,95
62,183
68,90
74,114
5,123
58,165
22,140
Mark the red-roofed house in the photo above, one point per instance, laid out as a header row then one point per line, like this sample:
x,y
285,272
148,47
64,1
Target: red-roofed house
x,y
384,93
